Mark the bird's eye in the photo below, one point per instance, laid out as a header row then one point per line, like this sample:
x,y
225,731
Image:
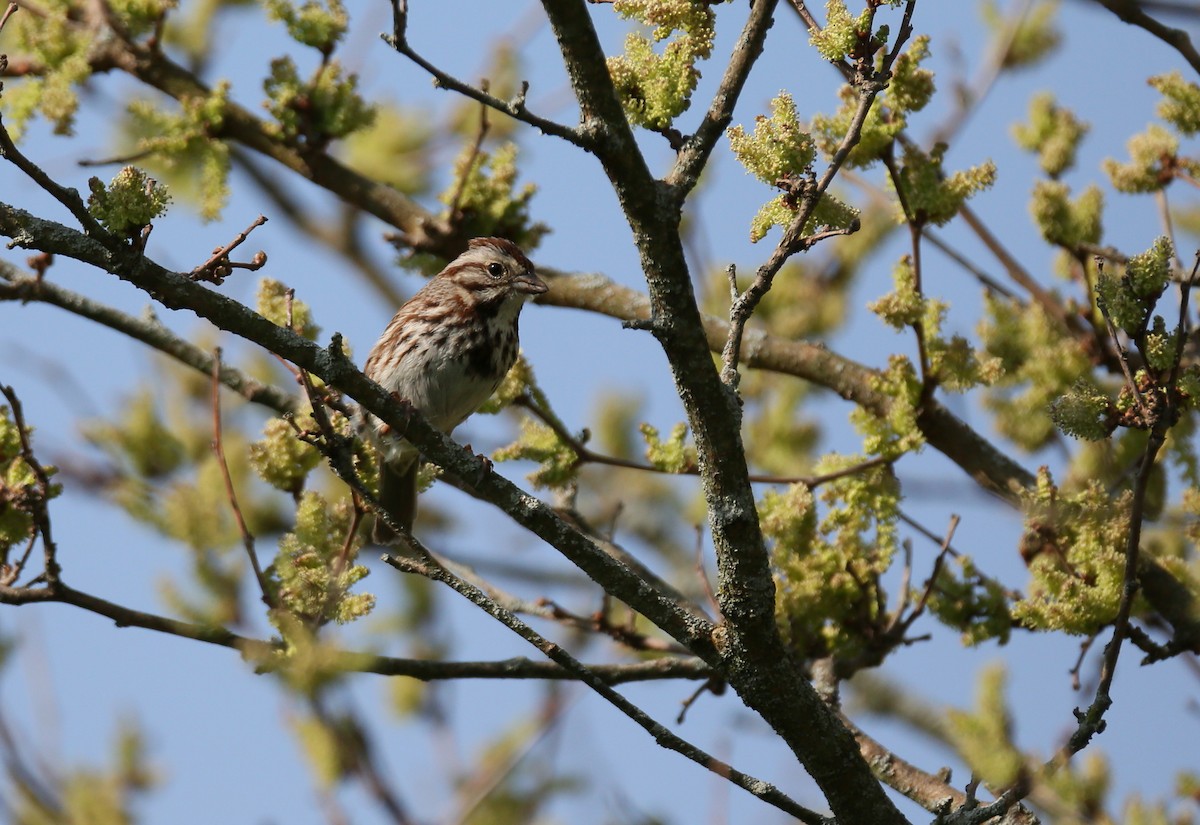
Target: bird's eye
x,y
495,270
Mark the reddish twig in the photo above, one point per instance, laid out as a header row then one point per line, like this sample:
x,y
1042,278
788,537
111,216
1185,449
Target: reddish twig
x,y
218,267
218,448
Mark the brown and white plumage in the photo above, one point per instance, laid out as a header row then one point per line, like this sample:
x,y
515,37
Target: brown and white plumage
x,y
445,351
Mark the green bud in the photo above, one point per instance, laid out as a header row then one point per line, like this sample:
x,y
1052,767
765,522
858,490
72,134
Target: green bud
x,y
272,302
1152,153
1085,412
130,201
1054,133
311,23
281,459
1064,222
673,455
1181,101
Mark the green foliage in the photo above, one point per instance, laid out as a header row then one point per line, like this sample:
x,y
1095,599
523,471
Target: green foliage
x,y
911,87
1064,222
311,24
325,108
780,435
984,736
903,307
281,459
182,149
59,49
1129,298
780,153
674,455
909,90
827,574
843,36
557,462
1181,101
141,16
393,149
19,493
1149,272
1085,411
483,200
931,195
1053,132
896,433
654,87
778,147
1031,37
953,362
1074,545
274,303
142,438
84,795
322,743
1039,362
970,602
1154,156
130,201
314,568
879,129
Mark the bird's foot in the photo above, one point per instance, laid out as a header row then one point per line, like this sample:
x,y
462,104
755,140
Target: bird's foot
x,y
485,466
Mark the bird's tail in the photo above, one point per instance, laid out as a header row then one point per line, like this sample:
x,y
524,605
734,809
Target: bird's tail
x,y
398,496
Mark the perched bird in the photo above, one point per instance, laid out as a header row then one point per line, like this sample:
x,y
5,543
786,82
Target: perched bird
x,y
445,352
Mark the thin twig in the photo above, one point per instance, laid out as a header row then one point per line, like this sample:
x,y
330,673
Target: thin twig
x,y
585,455
8,12
469,166
148,330
423,564
38,503
218,267
1123,355
218,448
515,108
64,195
1131,12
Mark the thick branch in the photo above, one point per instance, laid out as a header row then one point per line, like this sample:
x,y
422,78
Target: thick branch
x,y
754,659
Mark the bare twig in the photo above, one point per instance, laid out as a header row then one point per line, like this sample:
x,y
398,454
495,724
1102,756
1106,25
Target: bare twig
x,y
515,108
219,450
64,195
8,12
218,267
469,166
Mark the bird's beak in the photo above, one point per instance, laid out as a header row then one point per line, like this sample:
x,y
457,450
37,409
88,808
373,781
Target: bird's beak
x,y
530,284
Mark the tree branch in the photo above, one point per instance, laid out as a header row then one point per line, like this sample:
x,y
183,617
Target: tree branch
x,y
514,108
1130,11
17,287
